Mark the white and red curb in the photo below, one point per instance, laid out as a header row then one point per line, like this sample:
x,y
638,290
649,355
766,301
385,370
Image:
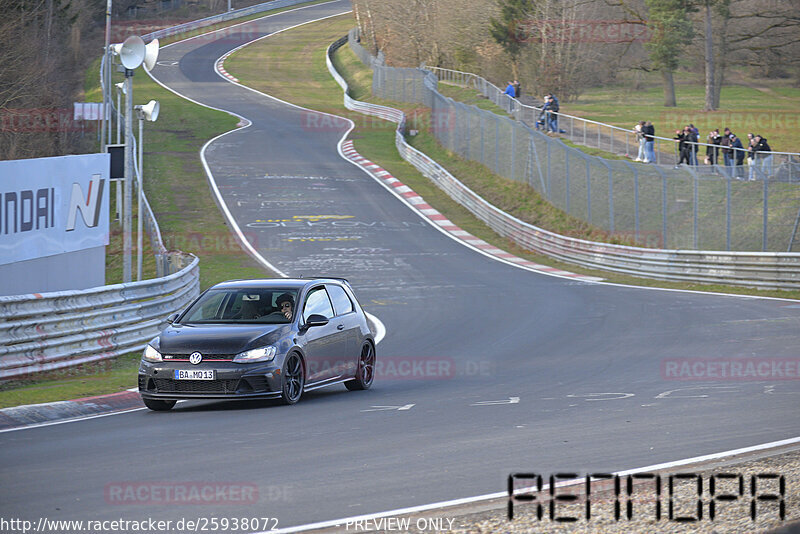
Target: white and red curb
x,y
219,65
418,203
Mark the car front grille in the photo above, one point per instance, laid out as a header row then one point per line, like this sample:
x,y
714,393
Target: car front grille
x,y
206,357
165,385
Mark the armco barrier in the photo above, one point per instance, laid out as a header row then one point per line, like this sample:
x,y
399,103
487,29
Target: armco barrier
x,y
767,270
44,332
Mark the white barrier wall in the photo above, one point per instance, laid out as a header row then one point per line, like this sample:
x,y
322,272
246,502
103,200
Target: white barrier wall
x,y
54,223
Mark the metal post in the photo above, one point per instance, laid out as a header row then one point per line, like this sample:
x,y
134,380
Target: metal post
x,y
664,208
107,78
549,182
728,213
483,162
497,145
588,193
139,202
127,219
566,178
695,214
766,213
610,199
119,118
584,133
513,148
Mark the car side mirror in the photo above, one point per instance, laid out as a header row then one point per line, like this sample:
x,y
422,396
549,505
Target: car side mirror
x,y
316,320
173,317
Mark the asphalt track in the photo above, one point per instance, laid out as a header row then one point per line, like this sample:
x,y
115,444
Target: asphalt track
x,y
584,360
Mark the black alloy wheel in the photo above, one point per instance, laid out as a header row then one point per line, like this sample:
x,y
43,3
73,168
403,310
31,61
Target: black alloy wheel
x,y
366,370
294,379
159,405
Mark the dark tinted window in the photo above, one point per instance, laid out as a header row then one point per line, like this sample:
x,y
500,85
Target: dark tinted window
x,y
341,302
317,302
239,306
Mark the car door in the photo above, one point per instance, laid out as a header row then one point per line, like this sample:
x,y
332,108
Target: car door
x,y
322,344
346,318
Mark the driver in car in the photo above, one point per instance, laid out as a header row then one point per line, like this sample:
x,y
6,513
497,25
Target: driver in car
x,y
286,304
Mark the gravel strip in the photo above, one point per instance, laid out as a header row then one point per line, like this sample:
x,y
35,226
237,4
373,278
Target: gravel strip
x,y
731,517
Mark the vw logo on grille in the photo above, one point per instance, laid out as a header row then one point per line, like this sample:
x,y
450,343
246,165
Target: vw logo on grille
x,y
195,358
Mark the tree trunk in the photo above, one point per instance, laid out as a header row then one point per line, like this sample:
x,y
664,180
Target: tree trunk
x,y
722,64
669,89
710,76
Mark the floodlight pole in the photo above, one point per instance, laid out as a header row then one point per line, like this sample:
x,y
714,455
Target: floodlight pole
x,y
107,80
139,201
128,193
119,117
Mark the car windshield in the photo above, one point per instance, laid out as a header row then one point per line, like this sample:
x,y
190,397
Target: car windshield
x,y
246,306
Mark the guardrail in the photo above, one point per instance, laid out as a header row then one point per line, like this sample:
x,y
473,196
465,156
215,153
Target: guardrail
x,y
767,270
783,166
44,332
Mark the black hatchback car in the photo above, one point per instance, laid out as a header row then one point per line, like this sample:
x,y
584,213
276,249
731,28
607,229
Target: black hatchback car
x,y
245,339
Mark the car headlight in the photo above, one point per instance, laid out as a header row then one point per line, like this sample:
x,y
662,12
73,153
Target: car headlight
x,y
264,354
151,355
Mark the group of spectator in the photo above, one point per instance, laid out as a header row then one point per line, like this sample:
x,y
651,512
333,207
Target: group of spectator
x,y
548,117
758,151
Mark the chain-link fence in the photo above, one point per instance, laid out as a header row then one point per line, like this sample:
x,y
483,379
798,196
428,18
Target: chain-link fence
x,y
648,205
782,166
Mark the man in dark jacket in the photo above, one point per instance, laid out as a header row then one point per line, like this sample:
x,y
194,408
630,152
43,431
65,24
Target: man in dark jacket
x,y
552,114
712,152
762,157
684,149
727,152
736,143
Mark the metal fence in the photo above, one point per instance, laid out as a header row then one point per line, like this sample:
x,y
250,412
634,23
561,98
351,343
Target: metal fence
x,y
646,205
783,166
756,269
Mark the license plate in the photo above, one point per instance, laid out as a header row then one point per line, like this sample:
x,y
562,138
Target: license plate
x,y
194,374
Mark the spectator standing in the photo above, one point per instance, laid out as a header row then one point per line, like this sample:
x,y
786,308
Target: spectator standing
x,y
640,138
684,149
541,122
552,120
649,132
727,151
517,89
509,92
739,151
763,156
691,139
751,157
712,152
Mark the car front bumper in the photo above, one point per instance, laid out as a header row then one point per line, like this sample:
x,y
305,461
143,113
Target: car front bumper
x,y
232,381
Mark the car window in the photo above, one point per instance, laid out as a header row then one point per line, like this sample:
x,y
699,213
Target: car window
x,y
241,306
341,302
210,305
317,302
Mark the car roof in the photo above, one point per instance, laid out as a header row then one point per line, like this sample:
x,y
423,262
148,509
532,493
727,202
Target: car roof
x,y
268,283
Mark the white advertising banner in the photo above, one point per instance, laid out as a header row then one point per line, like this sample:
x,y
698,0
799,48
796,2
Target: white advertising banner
x,y
50,206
